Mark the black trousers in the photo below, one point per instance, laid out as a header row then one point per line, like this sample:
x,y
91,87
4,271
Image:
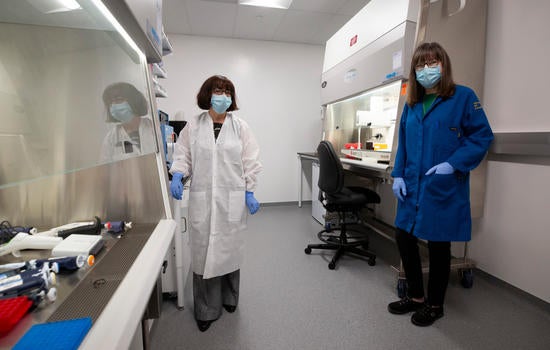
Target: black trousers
x,y
211,294
440,266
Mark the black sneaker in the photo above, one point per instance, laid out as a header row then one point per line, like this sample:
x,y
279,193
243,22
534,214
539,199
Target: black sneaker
x,y
427,315
203,325
404,306
230,308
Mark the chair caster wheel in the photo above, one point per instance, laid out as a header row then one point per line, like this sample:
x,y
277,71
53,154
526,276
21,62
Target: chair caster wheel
x,y
467,280
372,262
331,265
307,251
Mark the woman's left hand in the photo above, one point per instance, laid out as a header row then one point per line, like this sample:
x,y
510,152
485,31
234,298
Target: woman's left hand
x,y
252,203
442,169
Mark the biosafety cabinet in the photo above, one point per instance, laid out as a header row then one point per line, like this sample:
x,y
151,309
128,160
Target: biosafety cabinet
x,y
57,162
365,75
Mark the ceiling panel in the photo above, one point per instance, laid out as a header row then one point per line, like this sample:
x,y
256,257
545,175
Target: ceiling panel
x,y
325,6
301,26
210,18
328,29
175,18
257,22
351,7
306,21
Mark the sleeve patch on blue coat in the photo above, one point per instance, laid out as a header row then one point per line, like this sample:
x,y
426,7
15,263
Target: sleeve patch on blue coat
x,y
477,105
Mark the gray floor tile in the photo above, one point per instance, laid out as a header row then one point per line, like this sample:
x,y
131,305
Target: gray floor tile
x,y
290,300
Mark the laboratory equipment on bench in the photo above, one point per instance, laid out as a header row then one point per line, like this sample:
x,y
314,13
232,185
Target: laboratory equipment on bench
x,y
23,241
50,335
79,245
59,264
11,311
84,228
117,226
30,282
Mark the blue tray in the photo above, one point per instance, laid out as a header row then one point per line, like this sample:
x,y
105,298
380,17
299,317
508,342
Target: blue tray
x,y
60,335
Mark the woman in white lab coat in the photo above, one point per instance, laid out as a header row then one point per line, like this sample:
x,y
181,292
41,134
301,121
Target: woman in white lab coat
x,y
133,134
218,150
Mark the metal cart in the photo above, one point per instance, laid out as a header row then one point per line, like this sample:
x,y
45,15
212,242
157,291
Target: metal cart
x,y
463,265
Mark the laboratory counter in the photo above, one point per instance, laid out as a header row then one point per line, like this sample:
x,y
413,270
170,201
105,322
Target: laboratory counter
x,y
114,292
365,167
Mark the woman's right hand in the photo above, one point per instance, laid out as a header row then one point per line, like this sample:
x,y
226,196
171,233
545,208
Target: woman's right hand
x,y
176,186
399,188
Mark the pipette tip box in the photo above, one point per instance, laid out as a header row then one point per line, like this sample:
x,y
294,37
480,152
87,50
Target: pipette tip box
x,y
11,311
60,335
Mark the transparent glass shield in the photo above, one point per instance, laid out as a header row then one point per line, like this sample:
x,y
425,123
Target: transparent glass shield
x,y
73,90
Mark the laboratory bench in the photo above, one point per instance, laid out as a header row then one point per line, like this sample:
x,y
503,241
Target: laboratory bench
x,y
381,219
366,167
115,292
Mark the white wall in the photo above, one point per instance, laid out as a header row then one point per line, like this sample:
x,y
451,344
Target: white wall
x,y
512,240
278,92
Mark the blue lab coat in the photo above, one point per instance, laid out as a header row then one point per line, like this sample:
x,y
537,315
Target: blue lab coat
x,y
454,130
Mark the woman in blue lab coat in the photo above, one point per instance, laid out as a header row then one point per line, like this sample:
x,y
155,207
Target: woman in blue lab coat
x,y
443,135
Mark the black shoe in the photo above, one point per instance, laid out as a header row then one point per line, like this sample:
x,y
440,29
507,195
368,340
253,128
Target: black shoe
x,y
427,315
230,308
203,325
404,306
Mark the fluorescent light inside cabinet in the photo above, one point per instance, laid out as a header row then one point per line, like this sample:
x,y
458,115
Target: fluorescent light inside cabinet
x,y
279,4
53,6
101,7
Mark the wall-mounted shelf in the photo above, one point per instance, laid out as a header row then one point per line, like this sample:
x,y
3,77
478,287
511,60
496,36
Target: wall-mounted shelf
x,y
159,91
159,71
166,46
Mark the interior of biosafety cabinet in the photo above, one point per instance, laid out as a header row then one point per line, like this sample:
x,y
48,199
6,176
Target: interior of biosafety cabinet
x,y
60,159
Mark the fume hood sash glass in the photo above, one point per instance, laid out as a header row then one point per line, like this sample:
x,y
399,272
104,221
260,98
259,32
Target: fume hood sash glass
x,y
54,68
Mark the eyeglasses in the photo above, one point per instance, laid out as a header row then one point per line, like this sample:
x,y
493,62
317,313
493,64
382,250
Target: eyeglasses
x,y
118,99
218,91
430,64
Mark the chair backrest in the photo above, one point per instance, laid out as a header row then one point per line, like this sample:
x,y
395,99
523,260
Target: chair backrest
x,y
331,172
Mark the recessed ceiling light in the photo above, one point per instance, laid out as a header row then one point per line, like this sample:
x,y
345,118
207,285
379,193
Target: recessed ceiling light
x,y
279,4
53,6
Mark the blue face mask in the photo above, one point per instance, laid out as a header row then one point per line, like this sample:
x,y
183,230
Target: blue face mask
x,y
428,76
220,103
122,112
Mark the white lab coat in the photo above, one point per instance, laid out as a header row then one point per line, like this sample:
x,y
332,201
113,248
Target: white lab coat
x,y
222,170
113,143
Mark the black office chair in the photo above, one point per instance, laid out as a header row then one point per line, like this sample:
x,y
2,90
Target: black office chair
x,y
344,201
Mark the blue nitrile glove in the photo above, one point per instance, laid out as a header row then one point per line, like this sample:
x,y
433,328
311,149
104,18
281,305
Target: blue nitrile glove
x,y
442,169
252,203
399,188
176,186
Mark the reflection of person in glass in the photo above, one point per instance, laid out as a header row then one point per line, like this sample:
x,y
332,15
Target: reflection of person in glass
x,y
133,135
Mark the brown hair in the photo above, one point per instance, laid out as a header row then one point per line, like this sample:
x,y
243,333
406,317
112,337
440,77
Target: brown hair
x,y
135,98
212,83
425,52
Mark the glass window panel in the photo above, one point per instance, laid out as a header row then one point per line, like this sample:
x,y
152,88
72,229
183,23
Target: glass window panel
x,y
54,70
368,118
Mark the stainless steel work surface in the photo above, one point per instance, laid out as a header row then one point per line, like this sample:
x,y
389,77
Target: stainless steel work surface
x,y
86,292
